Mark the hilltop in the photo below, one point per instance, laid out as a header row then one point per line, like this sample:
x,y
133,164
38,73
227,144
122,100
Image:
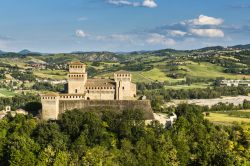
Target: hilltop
x,y
147,66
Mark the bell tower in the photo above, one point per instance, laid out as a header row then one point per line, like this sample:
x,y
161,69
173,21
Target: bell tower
x,y
77,78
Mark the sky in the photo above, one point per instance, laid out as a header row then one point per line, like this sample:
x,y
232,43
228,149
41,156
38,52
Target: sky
x,y
53,26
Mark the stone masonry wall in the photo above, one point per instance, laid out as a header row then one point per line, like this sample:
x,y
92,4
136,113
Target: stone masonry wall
x,y
116,105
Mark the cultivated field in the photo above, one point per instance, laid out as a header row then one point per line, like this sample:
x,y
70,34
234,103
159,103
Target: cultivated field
x,y
6,93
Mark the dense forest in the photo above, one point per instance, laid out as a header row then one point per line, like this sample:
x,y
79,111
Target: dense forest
x,y
85,138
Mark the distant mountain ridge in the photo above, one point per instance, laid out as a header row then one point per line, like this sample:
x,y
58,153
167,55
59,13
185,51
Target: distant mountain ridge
x,y
2,52
247,46
24,52
218,48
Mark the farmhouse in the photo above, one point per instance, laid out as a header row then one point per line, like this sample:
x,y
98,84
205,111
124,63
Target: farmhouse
x,y
118,93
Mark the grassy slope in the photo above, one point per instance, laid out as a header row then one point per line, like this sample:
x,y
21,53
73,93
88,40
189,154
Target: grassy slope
x,y
6,93
208,70
224,118
55,74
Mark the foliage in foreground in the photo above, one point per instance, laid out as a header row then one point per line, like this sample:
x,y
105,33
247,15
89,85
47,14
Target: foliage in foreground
x,y
84,138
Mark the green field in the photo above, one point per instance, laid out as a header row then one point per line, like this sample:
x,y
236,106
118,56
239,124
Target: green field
x,y
195,70
208,70
192,86
52,74
6,93
225,118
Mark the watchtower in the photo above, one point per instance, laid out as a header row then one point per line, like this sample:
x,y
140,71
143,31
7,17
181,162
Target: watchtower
x,y
77,78
124,88
50,104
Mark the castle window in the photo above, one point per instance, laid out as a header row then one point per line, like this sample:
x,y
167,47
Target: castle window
x,y
75,90
123,88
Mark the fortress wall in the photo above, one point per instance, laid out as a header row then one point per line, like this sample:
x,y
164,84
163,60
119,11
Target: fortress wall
x,y
71,97
116,105
100,95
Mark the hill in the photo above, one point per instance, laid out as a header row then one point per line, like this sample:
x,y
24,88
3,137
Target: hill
x,y
173,66
247,46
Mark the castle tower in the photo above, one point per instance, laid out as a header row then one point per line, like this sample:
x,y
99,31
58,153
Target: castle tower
x,y
77,78
50,106
125,89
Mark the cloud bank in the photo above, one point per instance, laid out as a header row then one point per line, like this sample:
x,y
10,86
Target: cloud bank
x,y
186,33
206,20
145,3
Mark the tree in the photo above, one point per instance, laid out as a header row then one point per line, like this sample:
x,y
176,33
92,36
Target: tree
x,y
48,133
21,151
100,156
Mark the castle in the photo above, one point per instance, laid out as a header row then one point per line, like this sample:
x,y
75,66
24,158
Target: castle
x,y
118,93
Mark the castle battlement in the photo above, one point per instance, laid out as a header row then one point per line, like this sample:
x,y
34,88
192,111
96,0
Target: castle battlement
x,y
81,89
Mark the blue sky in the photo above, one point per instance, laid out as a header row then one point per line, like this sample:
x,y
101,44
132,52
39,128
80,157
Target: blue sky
x,y
122,25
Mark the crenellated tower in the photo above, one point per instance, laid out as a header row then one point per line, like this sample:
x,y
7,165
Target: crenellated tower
x,y
125,90
50,106
77,78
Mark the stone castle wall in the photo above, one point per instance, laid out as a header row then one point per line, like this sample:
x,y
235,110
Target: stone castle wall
x,y
116,105
100,94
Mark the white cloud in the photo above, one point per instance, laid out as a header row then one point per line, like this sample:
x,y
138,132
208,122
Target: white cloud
x,y
149,3
177,33
145,3
82,18
157,39
206,20
80,33
117,37
213,33
124,2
